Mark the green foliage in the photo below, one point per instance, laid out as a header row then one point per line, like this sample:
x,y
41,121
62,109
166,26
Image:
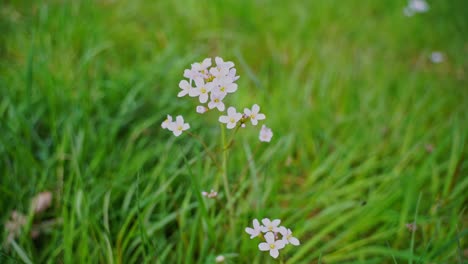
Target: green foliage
x,y
364,124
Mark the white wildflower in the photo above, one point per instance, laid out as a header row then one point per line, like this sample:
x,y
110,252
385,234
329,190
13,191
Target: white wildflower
x,y
254,114
211,194
271,245
232,118
165,124
178,126
255,231
415,6
224,86
232,74
265,134
216,101
187,89
203,89
270,226
437,57
203,66
220,259
288,237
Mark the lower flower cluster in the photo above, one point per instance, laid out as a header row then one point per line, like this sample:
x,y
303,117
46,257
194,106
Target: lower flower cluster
x,y
276,237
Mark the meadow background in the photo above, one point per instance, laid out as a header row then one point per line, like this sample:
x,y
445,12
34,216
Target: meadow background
x,y
369,134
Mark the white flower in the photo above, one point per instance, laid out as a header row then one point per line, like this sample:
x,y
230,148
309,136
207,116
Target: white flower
x,y
270,226
178,126
418,6
202,68
265,134
287,236
232,74
437,57
203,89
271,245
216,101
255,231
187,89
191,74
220,259
201,109
254,114
211,194
165,124
222,68
232,118
224,86
220,63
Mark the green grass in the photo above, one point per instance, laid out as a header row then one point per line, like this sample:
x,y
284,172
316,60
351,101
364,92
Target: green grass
x,y
347,87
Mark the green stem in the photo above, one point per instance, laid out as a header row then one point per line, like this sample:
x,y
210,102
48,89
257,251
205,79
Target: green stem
x,y
224,166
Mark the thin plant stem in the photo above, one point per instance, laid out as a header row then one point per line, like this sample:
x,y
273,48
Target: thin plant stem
x,y
224,167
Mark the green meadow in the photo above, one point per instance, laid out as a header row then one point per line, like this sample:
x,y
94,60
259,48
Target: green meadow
x,y
370,134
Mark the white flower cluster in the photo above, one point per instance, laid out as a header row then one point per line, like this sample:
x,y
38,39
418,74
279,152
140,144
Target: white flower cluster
x,y
415,6
211,84
270,231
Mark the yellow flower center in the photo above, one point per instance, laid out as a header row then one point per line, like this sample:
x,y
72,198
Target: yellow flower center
x,y
203,90
223,89
272,246
232,120
216,100
179,128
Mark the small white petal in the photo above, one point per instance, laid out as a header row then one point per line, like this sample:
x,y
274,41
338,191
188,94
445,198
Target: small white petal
x,y
223,119
270,237
176,132
264,246
255,108
274,253
294,241
276,222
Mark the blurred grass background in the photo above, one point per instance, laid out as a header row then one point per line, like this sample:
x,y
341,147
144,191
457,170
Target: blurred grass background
x,y
369,134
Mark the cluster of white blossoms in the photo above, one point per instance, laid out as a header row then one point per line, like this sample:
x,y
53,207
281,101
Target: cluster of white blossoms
x,y
211,84
271,232
415,6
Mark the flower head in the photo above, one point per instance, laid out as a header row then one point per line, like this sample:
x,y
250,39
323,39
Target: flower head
x,y
270,226
271,245
415,6
437,57
265,134
165,124
187,89
219,259
216,101
211,194
203,89
254,114
232,118
288,237
178,126
255,231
